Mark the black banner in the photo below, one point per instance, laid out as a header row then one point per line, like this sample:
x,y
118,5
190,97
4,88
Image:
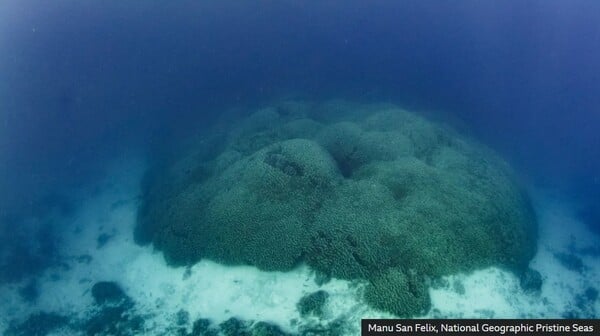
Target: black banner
x,y
371,327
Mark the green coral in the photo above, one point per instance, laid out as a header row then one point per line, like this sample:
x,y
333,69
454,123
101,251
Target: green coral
x,y
399,292
41,323
313,303
267,329
353,147
265,203
235,327
368,192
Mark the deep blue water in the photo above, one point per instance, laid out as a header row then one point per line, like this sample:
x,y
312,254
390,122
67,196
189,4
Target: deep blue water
x,y
83,81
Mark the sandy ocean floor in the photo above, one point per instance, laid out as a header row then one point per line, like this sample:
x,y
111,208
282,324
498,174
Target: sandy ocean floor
x,y
98,246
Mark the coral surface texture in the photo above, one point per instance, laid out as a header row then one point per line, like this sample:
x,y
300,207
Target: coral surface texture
x,y
369,192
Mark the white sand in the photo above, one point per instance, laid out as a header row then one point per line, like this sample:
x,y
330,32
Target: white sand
x,y
211,291
218,292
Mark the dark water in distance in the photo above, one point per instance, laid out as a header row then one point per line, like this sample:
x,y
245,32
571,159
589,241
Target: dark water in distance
x,y
82,81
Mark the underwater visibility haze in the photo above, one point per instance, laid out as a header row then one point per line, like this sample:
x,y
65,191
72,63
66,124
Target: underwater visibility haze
x,y
290,167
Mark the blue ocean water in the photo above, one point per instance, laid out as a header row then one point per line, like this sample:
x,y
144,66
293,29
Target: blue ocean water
x,y
83,83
